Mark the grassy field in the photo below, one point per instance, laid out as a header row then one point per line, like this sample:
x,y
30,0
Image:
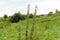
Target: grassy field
x,y
46,28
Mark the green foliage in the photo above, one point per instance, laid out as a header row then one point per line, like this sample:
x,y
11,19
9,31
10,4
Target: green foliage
x,y
57,11
44,28
5,16
50,13
27,24
47,28
16,17
30,15
23,17
33,26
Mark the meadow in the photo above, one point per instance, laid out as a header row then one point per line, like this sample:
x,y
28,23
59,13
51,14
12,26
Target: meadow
x,y
46,28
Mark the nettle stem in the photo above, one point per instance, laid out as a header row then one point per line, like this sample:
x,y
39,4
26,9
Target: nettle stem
x,y
27,22
33,26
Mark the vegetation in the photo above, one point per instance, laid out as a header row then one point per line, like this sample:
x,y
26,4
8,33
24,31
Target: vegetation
x,y
30,27
33,26
50,13
16,17
27,25
5,16
31,15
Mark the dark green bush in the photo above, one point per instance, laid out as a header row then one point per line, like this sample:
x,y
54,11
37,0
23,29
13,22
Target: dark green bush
x,y
16,17
50,13
5,16
23,17
30,15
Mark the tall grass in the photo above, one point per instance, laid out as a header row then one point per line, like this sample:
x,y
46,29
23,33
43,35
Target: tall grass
x,y
27,25
19,32
33,26
6,23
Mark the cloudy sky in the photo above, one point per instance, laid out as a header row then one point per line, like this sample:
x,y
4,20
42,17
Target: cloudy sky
x,y
9,7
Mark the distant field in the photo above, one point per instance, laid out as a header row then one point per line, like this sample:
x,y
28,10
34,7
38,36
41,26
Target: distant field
x,y
46,28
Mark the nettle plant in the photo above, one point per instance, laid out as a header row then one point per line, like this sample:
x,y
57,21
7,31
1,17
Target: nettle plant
x,y
34,21
33,25
27,25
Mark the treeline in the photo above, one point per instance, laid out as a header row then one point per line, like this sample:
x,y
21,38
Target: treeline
x,y
16,17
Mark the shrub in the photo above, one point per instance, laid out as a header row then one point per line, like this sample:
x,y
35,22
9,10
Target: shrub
x,y
5,16
31,16
23,17
16,17
50,13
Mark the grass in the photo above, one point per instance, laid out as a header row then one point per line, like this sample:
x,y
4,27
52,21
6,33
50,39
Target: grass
x,y
47,28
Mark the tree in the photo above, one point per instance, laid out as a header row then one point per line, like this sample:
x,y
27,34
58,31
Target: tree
x,y
31,16
5,16
16,17
23,17
50,13
57,11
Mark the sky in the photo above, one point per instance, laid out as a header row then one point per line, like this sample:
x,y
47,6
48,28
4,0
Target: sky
x,y
9,7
